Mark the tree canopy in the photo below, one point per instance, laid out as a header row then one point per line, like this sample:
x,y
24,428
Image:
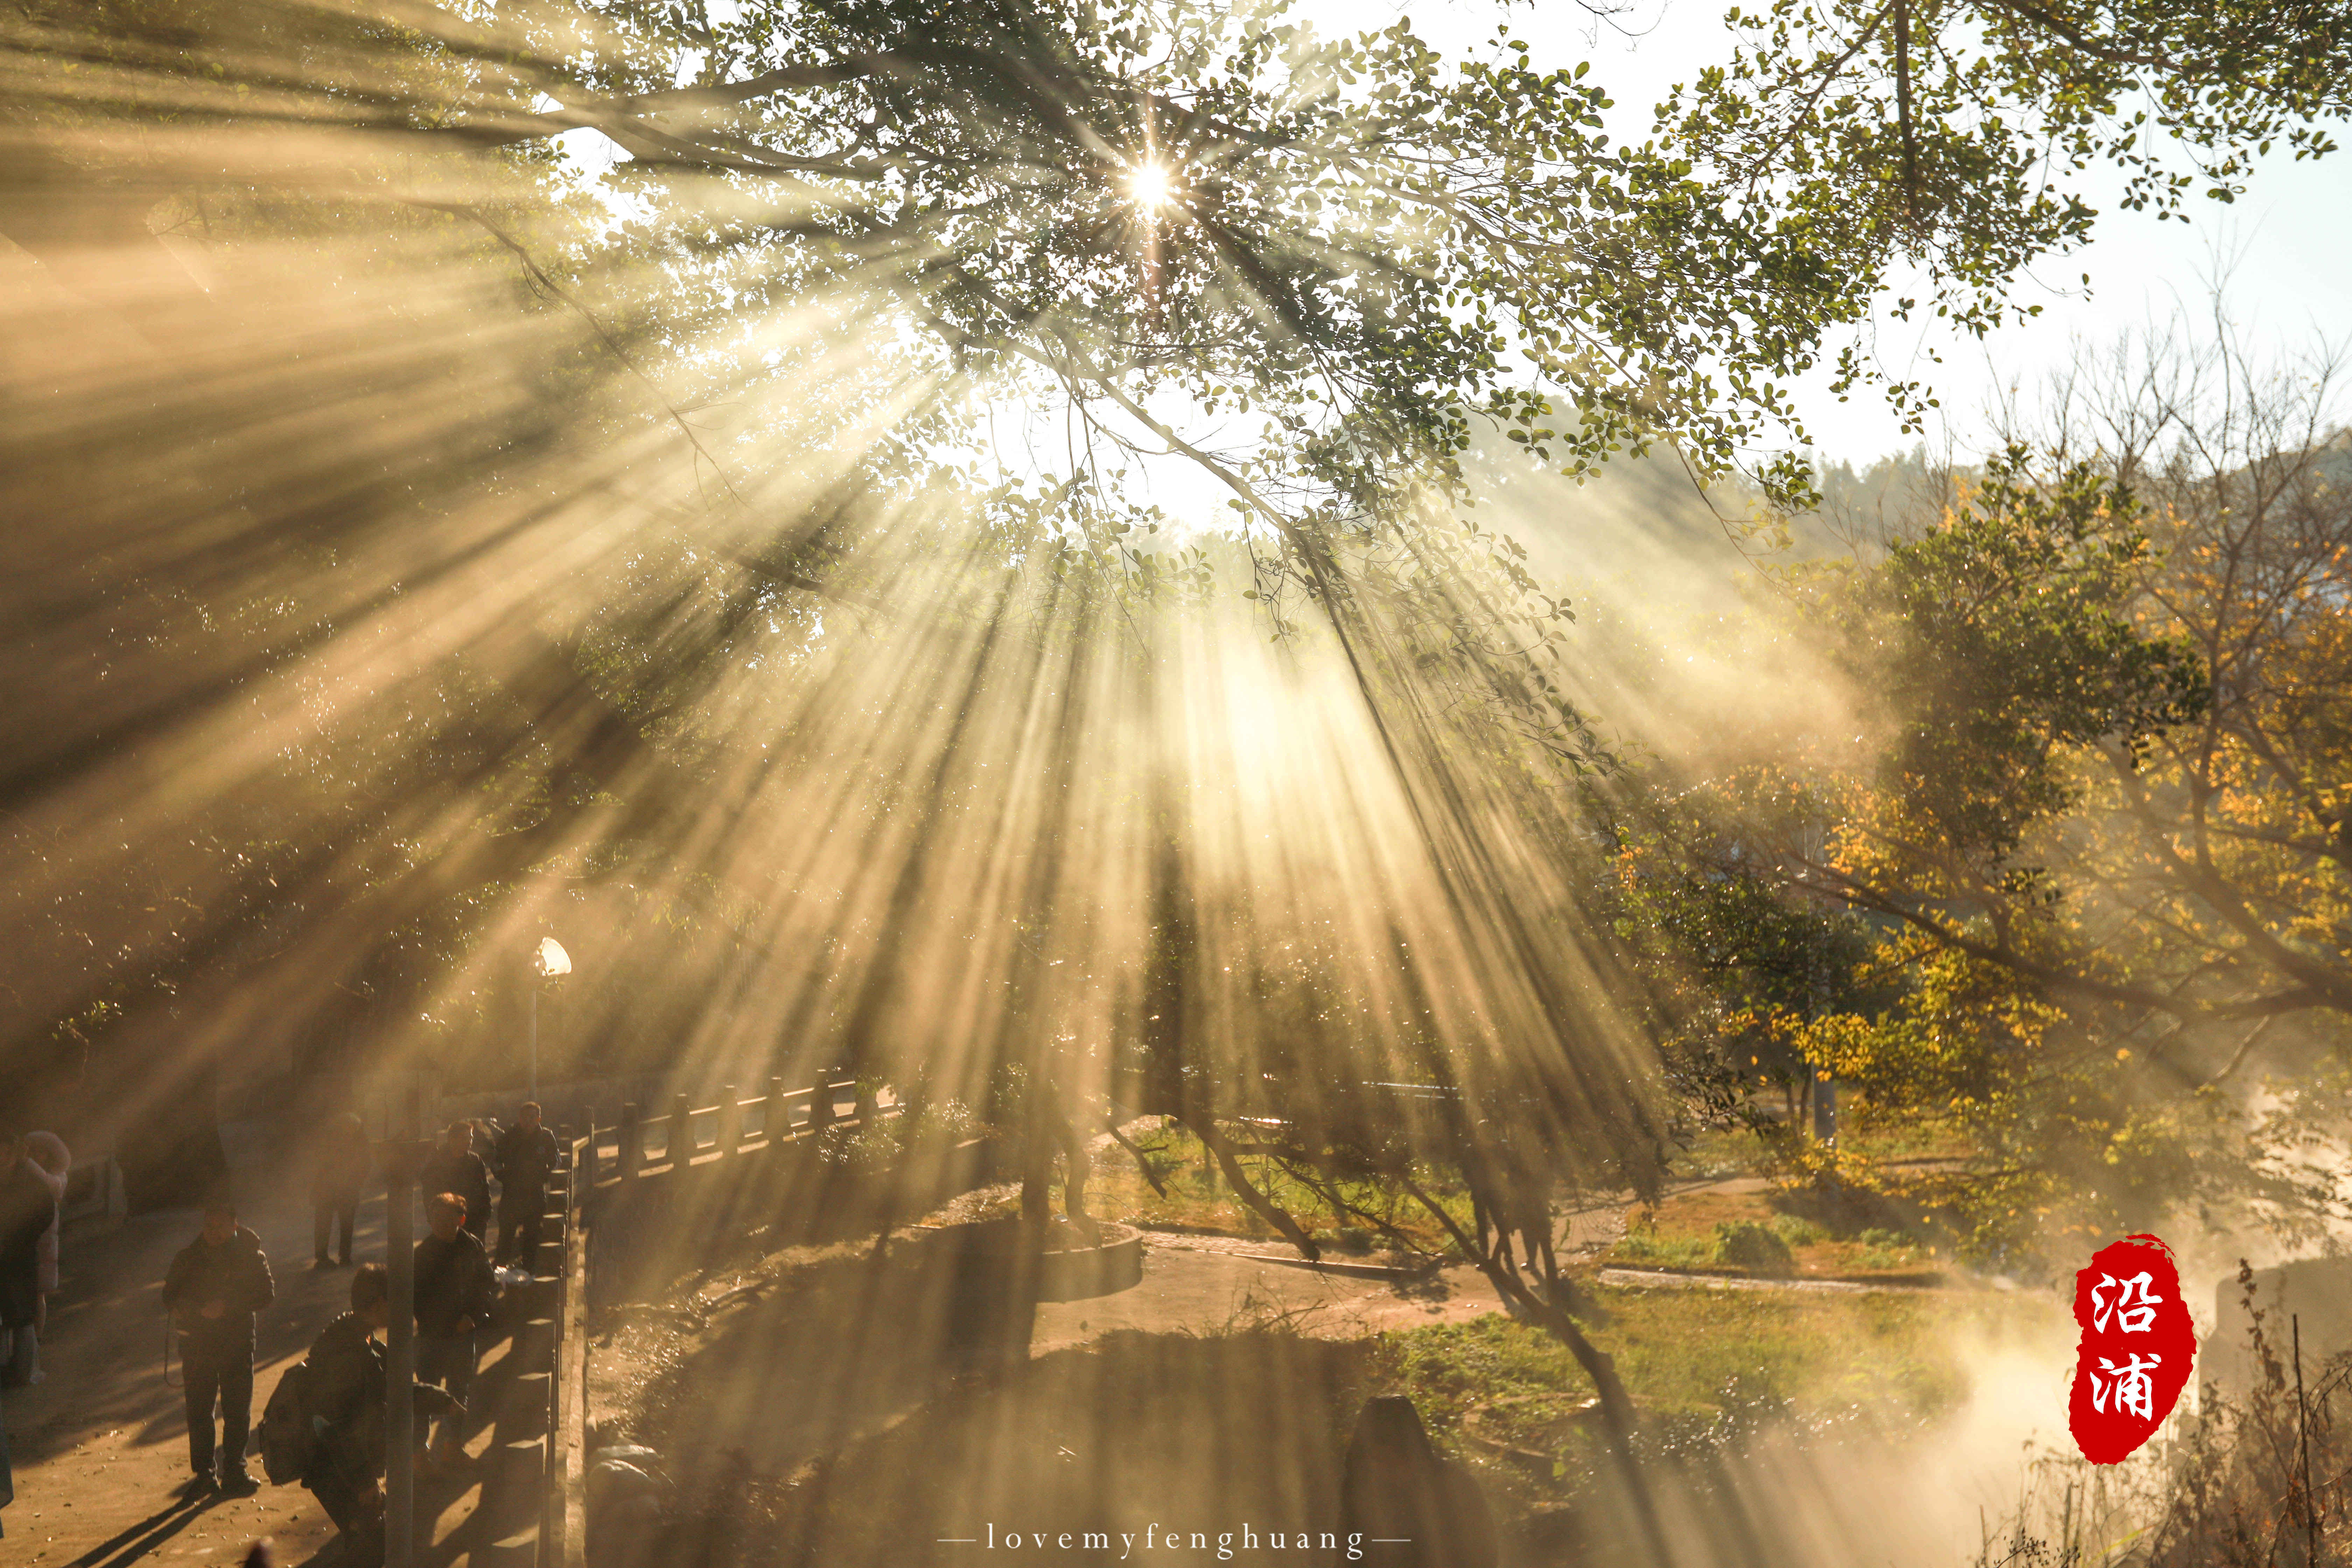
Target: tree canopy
x,y
2072,848
1956,137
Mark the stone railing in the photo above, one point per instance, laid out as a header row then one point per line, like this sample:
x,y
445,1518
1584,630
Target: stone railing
x,y
691,1135
651,1192
532,1497
564,1525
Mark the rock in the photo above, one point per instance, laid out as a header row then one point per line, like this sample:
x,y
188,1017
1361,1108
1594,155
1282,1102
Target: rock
x,y
1412,1508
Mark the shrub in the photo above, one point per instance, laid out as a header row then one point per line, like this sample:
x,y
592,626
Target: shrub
x,y
1746,1244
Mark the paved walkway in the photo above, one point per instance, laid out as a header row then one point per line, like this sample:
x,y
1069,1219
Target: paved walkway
x,y
99,1447
1680,1279
1190,1288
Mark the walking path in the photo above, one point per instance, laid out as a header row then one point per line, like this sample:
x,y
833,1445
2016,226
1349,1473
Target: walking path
x,y
100,1446
1686,1279
1189,1286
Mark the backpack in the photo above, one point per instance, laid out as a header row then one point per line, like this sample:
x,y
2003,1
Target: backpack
x,y
286,1436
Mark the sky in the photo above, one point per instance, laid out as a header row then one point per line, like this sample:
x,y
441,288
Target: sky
x,y
2285,247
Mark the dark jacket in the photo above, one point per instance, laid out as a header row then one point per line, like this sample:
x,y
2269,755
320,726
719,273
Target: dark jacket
x,y
464,1175
347,1384
235,1274
453,1281
27,1208
525,1161
346,1400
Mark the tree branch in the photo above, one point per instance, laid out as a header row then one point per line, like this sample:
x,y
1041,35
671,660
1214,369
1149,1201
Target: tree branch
x,y
1903,109
1204,1128
1141,1163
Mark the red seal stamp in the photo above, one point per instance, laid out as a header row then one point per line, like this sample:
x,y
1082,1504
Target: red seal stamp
x,y
2135,1352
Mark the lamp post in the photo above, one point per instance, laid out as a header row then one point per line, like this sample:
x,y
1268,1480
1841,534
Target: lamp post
x,y
550,962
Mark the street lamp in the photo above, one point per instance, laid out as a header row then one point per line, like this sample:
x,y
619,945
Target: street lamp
x,y
551,963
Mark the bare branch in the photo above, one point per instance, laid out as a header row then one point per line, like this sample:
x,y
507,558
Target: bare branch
x,y
1204,1128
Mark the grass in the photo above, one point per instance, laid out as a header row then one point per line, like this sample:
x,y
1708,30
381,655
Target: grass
x,y
1865,1133
1693,1359
1719,1152
1884,1136
1702,1230
1682,1233
1198,1198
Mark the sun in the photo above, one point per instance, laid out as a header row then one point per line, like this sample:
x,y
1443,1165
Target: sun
x,y
1151,186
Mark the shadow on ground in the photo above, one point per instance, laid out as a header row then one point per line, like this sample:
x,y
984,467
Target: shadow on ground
x,y
1233,1439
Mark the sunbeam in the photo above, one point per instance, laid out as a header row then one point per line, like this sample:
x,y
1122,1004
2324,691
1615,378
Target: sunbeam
x,y
966,640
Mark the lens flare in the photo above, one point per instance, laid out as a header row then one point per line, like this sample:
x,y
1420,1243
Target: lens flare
x,y
1152,186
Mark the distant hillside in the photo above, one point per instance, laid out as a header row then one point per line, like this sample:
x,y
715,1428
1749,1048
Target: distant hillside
x,y
1638,514
1680,647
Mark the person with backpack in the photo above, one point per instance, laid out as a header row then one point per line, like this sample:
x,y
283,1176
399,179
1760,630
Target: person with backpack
x,y
341,1394
342,1407
455,1292
213,1287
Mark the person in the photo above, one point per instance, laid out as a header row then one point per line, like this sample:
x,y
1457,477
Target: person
x,y
53,1162
339,1172
455,1292
213,1287
27,1209
456,1168
346,1401
526,1158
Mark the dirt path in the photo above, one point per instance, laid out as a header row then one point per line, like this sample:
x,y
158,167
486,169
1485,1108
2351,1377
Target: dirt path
x,y
802,1368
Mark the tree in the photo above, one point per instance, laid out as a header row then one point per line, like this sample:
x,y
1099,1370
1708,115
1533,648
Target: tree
x,y
2089,810
2162,672
2228,838
1330,247
1951,135
1763,985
